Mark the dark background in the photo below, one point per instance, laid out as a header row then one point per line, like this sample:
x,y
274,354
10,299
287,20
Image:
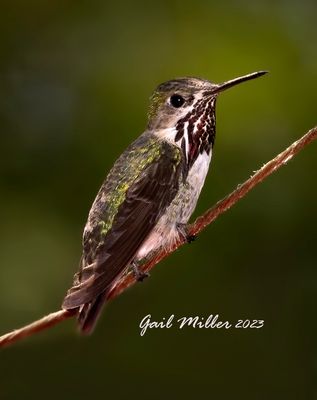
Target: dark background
x,y
75,78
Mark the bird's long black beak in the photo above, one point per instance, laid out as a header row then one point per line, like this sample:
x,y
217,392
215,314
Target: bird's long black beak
x,y
227,85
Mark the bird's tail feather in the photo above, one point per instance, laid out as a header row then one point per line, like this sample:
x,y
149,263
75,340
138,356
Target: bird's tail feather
x,y
90,312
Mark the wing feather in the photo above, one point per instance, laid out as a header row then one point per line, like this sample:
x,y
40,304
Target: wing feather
x,y
145,202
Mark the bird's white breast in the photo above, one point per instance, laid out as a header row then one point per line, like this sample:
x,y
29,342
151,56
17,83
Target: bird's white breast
x,y
190,191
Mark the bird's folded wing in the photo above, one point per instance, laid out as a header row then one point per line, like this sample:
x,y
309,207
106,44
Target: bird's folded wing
x,y
146,200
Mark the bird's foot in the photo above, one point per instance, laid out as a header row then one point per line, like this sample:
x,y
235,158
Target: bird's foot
x,y
183,231
138,274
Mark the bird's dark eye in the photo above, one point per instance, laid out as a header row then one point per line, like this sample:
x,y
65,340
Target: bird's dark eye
x,y
176,100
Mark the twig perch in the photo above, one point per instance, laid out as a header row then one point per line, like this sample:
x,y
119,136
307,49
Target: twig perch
x,y
195,228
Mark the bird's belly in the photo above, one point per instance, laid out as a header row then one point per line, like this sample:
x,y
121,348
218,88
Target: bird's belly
x,y
184,203
165,233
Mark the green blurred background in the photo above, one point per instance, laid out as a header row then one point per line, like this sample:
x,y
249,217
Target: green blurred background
x,y
75,78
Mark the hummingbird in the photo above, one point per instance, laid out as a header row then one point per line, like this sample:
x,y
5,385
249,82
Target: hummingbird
x,y
150,193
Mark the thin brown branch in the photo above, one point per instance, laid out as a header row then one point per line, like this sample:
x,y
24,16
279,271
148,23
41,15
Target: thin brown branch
x,y
37,326
194,229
